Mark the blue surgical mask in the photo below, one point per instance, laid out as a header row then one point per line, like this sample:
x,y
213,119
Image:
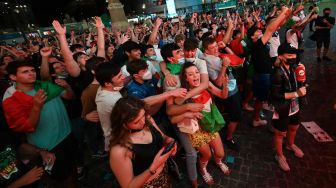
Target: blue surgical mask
x,y
181,61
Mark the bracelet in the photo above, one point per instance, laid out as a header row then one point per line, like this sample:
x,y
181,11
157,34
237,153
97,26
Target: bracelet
x,y
152,172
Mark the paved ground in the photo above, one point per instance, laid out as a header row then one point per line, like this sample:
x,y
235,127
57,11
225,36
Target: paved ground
x,y
254,165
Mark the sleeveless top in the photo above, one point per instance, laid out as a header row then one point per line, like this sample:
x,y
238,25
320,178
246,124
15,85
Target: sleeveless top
x,y
143,154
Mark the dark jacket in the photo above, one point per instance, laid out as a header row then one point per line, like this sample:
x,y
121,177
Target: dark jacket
x,y
281,85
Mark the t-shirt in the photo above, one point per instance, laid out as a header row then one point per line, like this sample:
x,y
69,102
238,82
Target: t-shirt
x,y
292,38
54,124
78,84
274,43
214,65
105,101
319,22
141,91
10,166
260,58
88,99
237,47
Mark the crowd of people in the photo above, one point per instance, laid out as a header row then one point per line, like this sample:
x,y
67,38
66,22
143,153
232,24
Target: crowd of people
x,y
134,96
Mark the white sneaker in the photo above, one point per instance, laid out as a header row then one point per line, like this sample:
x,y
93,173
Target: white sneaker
x,y
297,151
282,163
259,123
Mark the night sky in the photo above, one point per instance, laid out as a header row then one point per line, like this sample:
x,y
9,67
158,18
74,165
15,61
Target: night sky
x,y
47,10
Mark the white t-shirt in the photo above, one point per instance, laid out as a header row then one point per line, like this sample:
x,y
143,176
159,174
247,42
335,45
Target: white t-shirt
x,y
105,101
214,65
274,43
292,39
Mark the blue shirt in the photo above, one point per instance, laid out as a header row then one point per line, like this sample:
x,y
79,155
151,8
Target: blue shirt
x,y
141,91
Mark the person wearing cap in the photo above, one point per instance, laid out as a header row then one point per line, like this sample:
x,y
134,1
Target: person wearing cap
x,y
261,61
285,95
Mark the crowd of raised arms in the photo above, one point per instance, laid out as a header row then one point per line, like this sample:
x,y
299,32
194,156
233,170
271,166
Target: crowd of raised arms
x,y
138,95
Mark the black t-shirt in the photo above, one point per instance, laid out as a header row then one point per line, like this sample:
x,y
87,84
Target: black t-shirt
x,y
11,167
78,84
319,22
260,58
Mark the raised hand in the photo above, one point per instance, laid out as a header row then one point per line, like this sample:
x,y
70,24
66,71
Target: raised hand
x,y
45,51
62,83
158,22
58,27
98,22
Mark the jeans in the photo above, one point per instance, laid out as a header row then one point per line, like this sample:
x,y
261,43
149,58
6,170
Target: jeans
x,y
191,154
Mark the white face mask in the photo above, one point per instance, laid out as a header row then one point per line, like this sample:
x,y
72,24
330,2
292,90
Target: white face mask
x,y
147,76
118,88
153,57
156,46
191,60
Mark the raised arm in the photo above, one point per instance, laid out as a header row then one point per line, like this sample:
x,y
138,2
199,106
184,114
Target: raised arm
x,y
100,41
70,64
273,26
44,70
152,37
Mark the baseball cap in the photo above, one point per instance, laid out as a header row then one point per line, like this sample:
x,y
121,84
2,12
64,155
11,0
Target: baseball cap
x,y
287,48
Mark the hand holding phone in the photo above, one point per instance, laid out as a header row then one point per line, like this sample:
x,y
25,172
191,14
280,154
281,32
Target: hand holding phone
x,y
169,147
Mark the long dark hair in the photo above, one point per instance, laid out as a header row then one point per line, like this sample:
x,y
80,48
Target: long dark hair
x,y
125,110
183,75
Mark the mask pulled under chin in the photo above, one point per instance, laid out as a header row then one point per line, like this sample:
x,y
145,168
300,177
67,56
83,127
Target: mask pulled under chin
x,y
147,76
181,61
153,57
118,88
191,60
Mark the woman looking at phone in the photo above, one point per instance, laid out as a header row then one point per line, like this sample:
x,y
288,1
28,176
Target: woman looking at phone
x,y
137,145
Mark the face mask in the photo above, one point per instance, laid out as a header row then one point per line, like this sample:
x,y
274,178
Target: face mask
x,y
147,75
326,14
118,88
191,60
181,61
260,36
291,61
156,46
232,84
153,57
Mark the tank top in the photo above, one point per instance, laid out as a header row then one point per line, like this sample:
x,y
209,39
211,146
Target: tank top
x,y
143,154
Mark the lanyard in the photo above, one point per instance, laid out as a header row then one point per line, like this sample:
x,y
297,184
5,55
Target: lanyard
x,y
287,77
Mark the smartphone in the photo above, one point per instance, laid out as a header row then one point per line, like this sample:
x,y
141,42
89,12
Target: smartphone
x,y
168,147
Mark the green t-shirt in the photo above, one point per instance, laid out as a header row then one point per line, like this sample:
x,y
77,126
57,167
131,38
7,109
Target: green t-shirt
x,y
54,124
